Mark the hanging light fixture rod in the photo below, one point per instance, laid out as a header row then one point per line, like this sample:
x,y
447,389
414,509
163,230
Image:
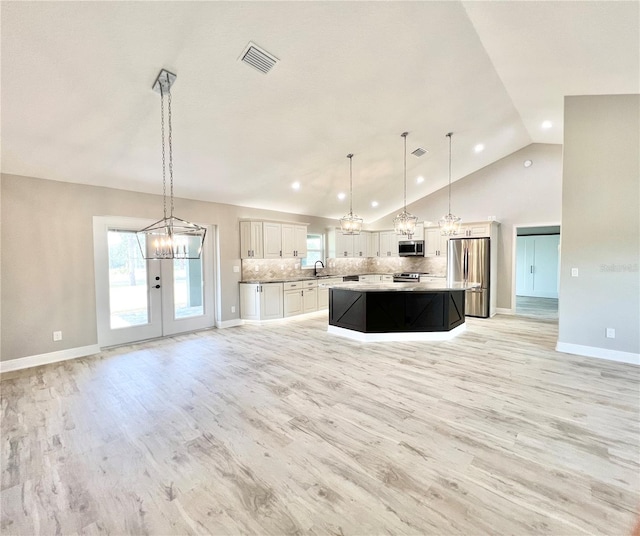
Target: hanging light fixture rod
x,y
405,223
351,224
449,223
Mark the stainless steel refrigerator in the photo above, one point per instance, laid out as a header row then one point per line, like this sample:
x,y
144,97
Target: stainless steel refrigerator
x,y
469,261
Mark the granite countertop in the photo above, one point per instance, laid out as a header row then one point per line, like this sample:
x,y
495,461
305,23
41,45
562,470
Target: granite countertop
x,y
306,278
405,287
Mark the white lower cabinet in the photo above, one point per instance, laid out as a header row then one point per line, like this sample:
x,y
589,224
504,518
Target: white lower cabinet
x,y
323,291
300,297
261,301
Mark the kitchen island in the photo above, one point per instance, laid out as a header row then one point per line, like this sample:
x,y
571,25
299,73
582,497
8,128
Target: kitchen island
x,y
397,311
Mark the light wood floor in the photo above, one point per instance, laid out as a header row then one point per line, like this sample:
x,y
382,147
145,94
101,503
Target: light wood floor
x,y
283,429
543,308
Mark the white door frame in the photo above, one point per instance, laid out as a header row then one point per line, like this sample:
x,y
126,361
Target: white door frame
x,y
514,239
101,224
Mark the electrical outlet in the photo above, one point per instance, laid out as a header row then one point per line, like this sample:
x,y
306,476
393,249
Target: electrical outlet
x,y
233,308
574,272
57,336
236,269
611,333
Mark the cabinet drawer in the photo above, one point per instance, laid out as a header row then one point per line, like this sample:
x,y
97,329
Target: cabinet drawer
x,y
309,284
293,285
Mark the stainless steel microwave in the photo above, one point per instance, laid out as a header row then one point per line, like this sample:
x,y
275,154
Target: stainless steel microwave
x,y
411,248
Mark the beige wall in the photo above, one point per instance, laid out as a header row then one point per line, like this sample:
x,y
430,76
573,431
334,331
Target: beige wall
x,y
601,223
515,195
47,256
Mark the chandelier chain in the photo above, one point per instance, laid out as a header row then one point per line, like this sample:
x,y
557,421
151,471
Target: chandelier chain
x,y
164,180
450,135
404,135
170,146
350,157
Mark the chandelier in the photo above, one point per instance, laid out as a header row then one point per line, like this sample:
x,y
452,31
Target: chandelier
x,y
449,224
350,224
405,223
170,237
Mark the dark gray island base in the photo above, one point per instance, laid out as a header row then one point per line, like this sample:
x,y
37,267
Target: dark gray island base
x,y
372,313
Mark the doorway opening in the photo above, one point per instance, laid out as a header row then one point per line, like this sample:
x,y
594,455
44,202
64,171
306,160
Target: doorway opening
x,y
536,271
138,299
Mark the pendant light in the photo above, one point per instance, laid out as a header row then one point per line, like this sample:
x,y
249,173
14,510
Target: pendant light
x,y
170,237
449,224
405,223
350,224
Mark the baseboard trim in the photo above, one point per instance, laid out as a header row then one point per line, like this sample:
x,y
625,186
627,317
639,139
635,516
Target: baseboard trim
x,y
600,353
222,324
45,359
501,311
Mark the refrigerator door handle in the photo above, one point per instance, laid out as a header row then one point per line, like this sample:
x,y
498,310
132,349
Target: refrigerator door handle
x,y
465,267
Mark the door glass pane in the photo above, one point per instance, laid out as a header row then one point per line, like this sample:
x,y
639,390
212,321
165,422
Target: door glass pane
x,y
128,296
187,288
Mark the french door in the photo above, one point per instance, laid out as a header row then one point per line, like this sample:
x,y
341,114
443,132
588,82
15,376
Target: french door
x,y
139,299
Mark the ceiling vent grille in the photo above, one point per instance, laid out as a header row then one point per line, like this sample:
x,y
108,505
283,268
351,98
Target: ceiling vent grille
x,y
419,152
258,58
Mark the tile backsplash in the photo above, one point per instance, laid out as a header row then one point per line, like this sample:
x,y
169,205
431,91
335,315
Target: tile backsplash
x,y
266,269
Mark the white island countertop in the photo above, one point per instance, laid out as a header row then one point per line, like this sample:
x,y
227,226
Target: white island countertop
x,y
404,287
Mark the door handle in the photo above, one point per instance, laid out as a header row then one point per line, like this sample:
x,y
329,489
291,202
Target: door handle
x,y
157,286
532,268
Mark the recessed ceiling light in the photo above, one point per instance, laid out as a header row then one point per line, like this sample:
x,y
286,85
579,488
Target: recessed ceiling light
x,y
296,185
479,148
341,196
546,124
420,179
528,163
374,204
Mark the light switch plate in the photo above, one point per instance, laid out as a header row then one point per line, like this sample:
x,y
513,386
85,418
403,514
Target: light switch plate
x,y
57,336
574,272
611,333
236,269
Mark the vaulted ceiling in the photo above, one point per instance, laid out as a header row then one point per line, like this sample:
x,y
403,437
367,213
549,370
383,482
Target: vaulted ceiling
x,y
77,103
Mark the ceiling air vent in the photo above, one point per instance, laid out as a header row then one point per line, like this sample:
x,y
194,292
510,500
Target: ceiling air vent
x,y
258,58
419,152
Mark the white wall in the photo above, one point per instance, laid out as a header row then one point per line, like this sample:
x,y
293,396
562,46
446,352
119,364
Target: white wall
x,y
515,195
601,227
47,256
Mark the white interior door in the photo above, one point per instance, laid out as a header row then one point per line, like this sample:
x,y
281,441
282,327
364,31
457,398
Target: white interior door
x,y
138,299
537,258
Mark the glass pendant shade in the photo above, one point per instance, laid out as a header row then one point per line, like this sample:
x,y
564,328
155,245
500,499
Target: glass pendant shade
x,y
405,222
350,224
449,224
170,237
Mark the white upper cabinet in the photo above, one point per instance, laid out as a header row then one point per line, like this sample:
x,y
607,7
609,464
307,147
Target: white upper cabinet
x,y
373,244
360,244
388,244
251,240
435,245
340,245
272,233
272,240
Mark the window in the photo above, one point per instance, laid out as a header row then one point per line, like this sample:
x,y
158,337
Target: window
x,y
315,250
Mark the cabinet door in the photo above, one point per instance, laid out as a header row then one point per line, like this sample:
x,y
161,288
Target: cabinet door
x,y
249,301
246,250
373,244
419,234
476,229
288,240
360,245
300,249
323,298
256,240
292,302
270,301
272,233
344,245
435,245
388,244
309,300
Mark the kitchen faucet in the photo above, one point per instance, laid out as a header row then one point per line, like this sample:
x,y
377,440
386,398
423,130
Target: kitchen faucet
x,y
315,268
